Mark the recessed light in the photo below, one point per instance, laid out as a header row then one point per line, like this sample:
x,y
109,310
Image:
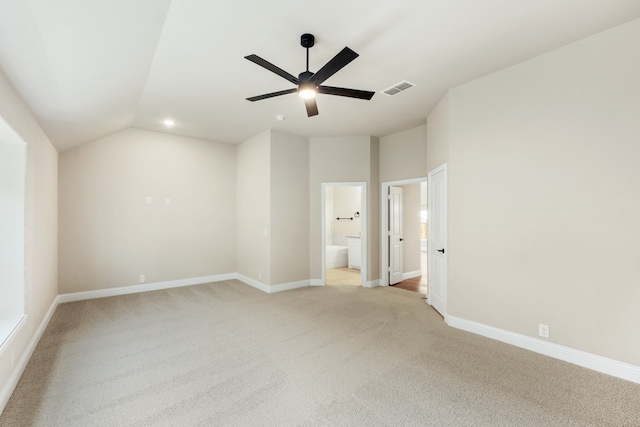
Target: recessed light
x,y
280,117
168,122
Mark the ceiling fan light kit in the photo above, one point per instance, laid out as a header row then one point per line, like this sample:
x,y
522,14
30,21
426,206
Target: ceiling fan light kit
x,y
309,84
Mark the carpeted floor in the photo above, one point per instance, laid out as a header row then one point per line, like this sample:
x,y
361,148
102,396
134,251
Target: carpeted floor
x,y
227,354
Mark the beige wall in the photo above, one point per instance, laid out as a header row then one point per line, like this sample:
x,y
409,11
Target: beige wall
x,y
340,159
403,155
346,202
411,227
544,196
289,208
109,235
438,134
254,208
41,223
373,211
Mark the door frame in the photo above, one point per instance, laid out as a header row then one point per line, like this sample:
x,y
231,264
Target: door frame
x,y
384,222
363,227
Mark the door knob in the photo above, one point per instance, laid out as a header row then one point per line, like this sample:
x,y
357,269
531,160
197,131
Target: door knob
x,y
441,250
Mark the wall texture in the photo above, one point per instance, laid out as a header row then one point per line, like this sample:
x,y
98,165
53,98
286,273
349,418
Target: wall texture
x,y
373,211
411,227
253,195
289,208
109,235
403,155
339,159
544,196
346,202
438,134
41,223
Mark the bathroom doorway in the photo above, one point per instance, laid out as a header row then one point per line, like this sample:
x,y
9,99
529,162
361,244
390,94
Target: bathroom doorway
x,y
344,233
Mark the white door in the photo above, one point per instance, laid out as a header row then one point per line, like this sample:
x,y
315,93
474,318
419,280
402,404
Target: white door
x,y
395,235
437,238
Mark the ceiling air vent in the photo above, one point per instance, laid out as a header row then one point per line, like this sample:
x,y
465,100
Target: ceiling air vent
x,y
398,87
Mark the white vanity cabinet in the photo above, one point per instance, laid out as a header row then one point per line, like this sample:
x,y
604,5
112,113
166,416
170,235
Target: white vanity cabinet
x,y
355,252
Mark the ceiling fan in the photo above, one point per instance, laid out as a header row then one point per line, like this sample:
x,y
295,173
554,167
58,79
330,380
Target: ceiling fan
x,y
309,84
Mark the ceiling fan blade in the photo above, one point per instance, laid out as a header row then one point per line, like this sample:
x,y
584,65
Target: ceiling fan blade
x,y
345,56
312,107
351,93
272,94
274,69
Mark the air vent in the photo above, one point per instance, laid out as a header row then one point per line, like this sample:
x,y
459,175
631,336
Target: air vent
x,y
398,87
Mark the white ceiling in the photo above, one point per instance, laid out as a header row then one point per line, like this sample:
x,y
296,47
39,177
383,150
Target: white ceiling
x,y
91,68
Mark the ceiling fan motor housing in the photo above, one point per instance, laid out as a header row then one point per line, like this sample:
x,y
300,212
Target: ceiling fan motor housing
x,y
307,40
304,76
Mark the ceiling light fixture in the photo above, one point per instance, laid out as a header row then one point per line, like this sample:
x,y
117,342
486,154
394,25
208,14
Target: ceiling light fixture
x,y
307,91
168,122
280,117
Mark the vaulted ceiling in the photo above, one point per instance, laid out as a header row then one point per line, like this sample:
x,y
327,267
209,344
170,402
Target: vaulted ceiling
x,y
91,68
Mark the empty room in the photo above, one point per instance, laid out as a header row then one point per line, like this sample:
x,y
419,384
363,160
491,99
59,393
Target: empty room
x,y
346,213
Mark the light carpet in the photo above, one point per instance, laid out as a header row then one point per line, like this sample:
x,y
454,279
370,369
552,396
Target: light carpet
x,y
227,354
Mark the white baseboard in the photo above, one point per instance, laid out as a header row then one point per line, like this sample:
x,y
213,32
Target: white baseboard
x,y
146,287
289,286
372,283
252,282
12,382
594,362
411,274
274,288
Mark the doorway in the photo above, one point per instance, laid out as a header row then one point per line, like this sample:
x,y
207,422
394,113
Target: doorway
x,y
344,225
403,248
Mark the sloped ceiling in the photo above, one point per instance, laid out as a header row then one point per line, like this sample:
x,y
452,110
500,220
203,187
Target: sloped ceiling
x,y
91,68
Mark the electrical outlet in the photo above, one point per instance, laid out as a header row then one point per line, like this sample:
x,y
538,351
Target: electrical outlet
x,y
543,330
167,202
142,278
149,200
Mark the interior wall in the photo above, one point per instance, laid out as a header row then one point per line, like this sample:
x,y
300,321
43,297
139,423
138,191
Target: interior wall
x,y
346,202
438,134
109,235
328,215
544,196
411,227
253,195
334,159
403,155
41,224
373,212
289,208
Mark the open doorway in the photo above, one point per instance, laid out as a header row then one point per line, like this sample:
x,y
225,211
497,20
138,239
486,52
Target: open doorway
x,y
344,233
404,234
